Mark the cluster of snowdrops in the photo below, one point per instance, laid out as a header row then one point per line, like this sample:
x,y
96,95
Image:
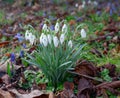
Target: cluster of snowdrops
x,y
56,53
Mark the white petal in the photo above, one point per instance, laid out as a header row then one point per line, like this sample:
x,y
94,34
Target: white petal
x,y
49,38
89,2
55,41
83,33
27,35
70,44
32,38
64,28
45,40
62,38
45,28
41,38
57,27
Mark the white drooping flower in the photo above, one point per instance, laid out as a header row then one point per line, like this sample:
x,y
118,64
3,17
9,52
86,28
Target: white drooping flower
x,y
55,41
83,33
27,35
45,40
89,2
76,5
49,38
95,3
83,4
41,38
70,44
62,38
45,27
32,38
64,28
57,27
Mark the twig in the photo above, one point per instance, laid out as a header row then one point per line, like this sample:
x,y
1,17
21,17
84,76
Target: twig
x,y
86,76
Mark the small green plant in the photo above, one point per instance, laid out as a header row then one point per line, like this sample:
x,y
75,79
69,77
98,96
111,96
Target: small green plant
x,y
105,75
32,77
9,70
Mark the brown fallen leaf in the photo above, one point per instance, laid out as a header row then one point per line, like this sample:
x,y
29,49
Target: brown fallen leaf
x,y
6,94
86,68
68,91
86,89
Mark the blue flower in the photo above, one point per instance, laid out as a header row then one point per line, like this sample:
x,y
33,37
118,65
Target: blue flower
x,y
19,37
12,57
24,45
52,27
21,53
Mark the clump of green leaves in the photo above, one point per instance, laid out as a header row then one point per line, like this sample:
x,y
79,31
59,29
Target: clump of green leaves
x,y
55,61
105,75
32,77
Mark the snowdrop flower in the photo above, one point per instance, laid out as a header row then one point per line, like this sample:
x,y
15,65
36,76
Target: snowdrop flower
x,y
95,3
64,28
45,28
89,2
62,38
45,40
32,39
57,27
83,4
76,5
70,44
27,35
83,33
41,38
49,38
55,41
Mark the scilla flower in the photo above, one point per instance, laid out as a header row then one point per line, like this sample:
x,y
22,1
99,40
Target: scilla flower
x,y
64,28
45,40
62,38
57,27
12,57
55,41
27,35
19,37
83,33
70,44
49,38
32,38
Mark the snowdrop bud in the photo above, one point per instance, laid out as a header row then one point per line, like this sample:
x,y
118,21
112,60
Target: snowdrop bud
x,y
45,28
64,28
62,38
70,44
32,39
83,4
76,5
27,35
49,38
57,27
83,33
95,3
55,41
45,40
89,2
